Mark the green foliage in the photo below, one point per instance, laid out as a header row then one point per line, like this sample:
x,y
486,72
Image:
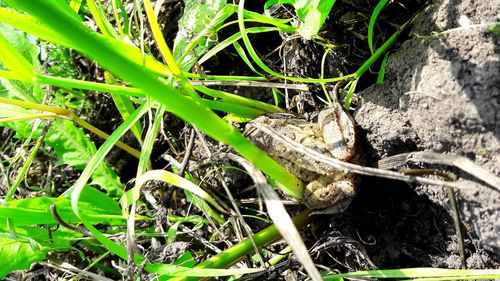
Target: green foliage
x,y
381,4
35,211
197,29
59,60
73,148
18,254
71,145
312,13
22,242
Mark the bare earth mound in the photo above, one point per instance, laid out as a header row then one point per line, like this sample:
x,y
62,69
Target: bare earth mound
x,y
441,93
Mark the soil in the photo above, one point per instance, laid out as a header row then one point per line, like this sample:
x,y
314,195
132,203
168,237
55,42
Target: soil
x,y
441,93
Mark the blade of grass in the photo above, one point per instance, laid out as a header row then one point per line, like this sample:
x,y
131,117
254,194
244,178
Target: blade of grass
x,y
253,54
380,51
22,173
67,114
95,46
75,5
117,4
35,27
98,13
244,57
381,4
236,99
231,39
101,153
14,60
124,106
418,272
381,72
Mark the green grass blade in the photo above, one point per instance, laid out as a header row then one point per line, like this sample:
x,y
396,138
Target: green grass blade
x,y
105,51
236,99
124,106
22,173
253,54
380,51
381,4
68,83
419,272
75,5
381,72
54,34
14,60
100,19
244,57
231,39
100,154
30,24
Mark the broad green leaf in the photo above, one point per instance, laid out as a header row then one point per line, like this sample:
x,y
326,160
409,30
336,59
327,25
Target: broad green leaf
x,y
21,246
198,19
73,148
59,239
32,211
17,254
312,13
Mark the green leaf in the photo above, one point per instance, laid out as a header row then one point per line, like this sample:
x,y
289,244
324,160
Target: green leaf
x,y
73,148
59,239
32,211
186,260
172,232
196,28
312,13
17,254
10,55
381,4
21,246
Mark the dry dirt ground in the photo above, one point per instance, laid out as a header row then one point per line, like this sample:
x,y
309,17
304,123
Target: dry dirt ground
x,y
441,94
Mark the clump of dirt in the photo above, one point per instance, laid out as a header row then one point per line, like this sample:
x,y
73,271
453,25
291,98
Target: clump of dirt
x,y
441,93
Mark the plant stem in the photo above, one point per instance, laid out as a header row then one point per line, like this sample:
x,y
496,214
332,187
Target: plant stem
x,y
232,255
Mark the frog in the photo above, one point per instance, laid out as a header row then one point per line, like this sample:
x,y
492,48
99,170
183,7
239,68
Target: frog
x,y
328,190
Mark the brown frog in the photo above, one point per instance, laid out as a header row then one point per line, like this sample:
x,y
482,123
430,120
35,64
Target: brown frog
x,y
328,190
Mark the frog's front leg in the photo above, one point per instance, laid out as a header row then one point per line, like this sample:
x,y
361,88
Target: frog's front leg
x,y
326,197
